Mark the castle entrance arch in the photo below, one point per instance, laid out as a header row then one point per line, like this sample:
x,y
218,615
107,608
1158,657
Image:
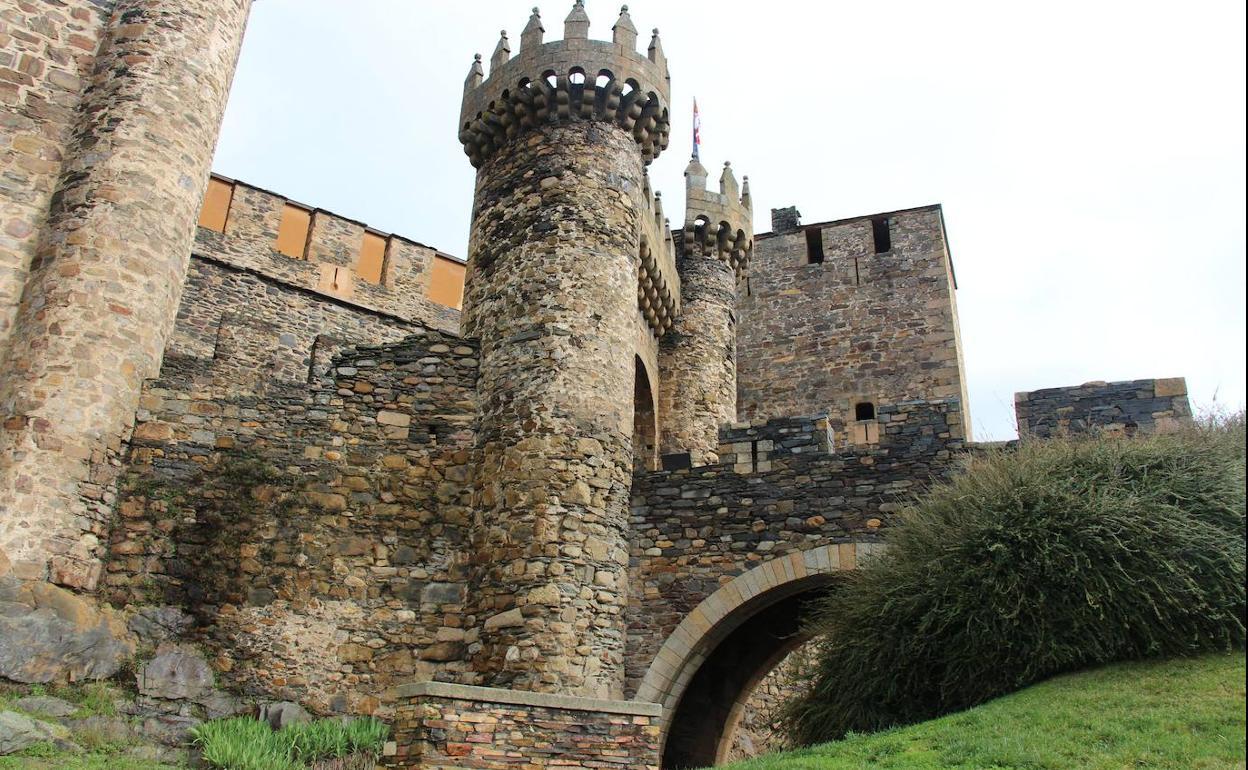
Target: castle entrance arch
x,y
712,661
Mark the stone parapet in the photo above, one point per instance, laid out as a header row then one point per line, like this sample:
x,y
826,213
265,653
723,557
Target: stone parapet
x,y
329,262
1109,408
565,80
658,281
439,725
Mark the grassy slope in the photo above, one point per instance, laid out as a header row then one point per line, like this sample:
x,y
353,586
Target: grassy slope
x,y
1180,714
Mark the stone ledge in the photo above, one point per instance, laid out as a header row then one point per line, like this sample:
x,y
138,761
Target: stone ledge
x,y
524,698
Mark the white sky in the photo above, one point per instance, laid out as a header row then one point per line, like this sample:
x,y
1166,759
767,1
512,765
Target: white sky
x,y
1089,155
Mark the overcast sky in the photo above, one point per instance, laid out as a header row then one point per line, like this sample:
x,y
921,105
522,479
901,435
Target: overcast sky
x,y
1089,155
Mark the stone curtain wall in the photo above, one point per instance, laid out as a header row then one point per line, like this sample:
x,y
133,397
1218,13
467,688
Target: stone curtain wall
x,y
817,338
1115,408
242,330
695,529
47,52
317,534
478,728
249,243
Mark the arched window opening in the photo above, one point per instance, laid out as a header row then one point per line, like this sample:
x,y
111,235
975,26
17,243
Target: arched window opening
x,y
604,78
700,226
645,421
864,410
722,236
576,76
551,78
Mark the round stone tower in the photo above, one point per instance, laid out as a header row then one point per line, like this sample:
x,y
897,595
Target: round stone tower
x,y
560,135
698,357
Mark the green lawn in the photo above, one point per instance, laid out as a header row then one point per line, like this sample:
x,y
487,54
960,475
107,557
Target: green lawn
x,y
1179,714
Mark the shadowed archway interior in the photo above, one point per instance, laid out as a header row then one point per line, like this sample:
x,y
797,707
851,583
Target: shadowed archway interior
x,y
709,709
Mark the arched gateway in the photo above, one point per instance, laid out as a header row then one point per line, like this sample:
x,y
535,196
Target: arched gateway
x,y
710,663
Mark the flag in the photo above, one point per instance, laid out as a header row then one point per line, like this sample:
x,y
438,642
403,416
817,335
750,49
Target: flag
x,y
697,130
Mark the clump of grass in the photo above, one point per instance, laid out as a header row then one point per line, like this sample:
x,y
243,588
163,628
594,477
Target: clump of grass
x,y
1057,556
242,743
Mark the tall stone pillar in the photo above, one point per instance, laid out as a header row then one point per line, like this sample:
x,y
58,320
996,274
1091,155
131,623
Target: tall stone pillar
x,y
698,358
551,291
107,274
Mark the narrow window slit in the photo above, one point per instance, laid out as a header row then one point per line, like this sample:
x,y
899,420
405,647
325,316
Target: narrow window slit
x,y
814,246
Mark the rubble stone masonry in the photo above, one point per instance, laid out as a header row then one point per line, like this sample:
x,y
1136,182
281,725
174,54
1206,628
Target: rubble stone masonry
x,y
317,533
107,275
478,728
858,326
777,490
551,293
47,54
1114,408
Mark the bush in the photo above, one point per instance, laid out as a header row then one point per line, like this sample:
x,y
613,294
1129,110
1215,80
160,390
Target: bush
x,y
243,743
1052,557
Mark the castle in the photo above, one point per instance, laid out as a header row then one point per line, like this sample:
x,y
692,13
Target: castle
x,y
575,520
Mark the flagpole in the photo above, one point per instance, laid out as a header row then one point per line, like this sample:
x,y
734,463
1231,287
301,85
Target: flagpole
x,y
697,129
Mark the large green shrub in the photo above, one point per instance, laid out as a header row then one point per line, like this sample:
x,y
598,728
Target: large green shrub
x,y
1051,557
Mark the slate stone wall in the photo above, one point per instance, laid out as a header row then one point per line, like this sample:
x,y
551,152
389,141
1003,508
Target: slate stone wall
x,y
485,729
244,331
318,534
1114,408
777,490
860,326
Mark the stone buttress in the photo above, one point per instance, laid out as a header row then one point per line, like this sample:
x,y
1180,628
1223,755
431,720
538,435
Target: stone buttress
x,y
107,273
698,358
560,135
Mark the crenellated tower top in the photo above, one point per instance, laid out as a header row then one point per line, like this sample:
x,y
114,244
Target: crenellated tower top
x,y
719,224
575,78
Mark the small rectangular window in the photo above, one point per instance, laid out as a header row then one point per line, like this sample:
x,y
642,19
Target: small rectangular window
x,y
292,231
372,259
814,246
880,232
864,410
216,208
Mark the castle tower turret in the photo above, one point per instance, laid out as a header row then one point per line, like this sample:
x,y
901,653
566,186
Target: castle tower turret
x,y
560,135
698,358
106,278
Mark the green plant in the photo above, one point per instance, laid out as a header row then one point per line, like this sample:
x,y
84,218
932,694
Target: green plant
x,y
1161,715
1057,556
241,743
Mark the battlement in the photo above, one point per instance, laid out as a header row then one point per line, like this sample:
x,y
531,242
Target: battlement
x,y
719,224
571,79
658,282
309,248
